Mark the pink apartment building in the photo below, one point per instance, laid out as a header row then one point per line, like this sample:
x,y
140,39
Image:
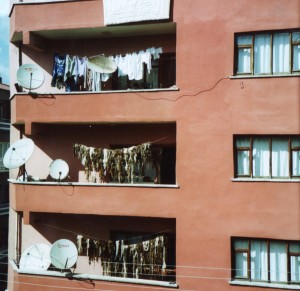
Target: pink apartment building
x,y
177,122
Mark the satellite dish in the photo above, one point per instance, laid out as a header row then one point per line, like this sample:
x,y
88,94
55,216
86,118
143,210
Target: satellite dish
x,y
63,254
30,76
18,153
36,257
101,64
59,169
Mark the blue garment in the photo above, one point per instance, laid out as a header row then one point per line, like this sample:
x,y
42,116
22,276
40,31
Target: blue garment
x,y
58,71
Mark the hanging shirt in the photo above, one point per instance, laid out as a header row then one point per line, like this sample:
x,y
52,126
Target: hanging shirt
x,y
71,67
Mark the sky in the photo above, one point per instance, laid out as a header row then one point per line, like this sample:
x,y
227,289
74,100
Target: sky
x,y
4,41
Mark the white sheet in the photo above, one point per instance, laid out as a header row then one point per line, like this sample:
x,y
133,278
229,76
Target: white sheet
x,y
125,11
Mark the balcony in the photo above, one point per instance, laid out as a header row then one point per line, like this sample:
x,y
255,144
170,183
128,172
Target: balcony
x,y
123,249
121,177
28,21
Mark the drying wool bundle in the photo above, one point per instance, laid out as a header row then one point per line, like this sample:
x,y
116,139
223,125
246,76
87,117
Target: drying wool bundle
x,y
146,259
118,164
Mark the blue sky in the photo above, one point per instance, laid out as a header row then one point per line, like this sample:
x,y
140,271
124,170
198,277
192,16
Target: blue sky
x,y
4,40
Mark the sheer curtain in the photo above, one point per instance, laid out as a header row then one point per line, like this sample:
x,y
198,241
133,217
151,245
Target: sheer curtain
x,y
261,157
280,157
278,262
259,260
262,54
244,54
281,53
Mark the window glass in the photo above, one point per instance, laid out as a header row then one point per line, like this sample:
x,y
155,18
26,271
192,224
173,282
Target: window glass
x,y
281,53
295,261
244,60
241,269
261,157
280,157
243,142
278,262
296,163
244,40
259,260
294,247
295,142
244,53
243,163
296,50
262,54
295,268
296,58
241,244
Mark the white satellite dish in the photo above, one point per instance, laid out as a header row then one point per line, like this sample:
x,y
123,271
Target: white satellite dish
x,y
101,64
36,257
18,153
63,254
59,169
30,76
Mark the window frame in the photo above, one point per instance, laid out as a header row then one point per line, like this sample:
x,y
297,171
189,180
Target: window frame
x,y
291,150
249,241
251,46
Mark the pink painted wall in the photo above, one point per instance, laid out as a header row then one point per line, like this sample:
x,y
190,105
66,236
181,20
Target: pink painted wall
x,y
208,206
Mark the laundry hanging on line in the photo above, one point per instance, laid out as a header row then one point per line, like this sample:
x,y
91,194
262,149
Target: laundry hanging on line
x,y
74,74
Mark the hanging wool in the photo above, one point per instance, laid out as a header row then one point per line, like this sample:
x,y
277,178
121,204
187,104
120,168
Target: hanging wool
x,y
146,259
117,164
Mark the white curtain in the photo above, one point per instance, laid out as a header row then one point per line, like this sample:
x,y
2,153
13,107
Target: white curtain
x,y
262,54
296,51
280,157
278,262
259,260
281,53
244,54
295,262
261,157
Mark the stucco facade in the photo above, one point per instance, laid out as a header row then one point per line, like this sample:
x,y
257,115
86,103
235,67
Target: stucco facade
x,y
195,114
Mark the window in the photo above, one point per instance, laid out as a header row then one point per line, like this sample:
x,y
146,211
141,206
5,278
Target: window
x,y
265,260
3,148
268,53
275,157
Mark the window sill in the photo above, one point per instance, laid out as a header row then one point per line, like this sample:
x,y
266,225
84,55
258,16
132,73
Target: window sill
x,y
43,94
297,180
264,76
94,277
266,285
54,183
